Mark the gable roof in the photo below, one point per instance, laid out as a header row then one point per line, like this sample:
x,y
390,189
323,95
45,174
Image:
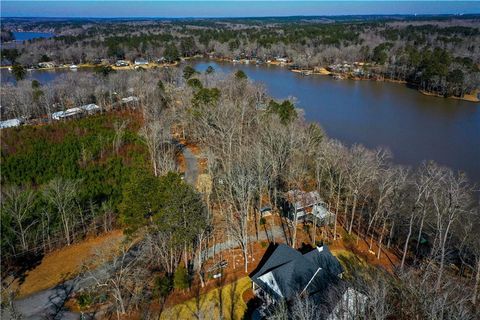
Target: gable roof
x,y
301,199
286,272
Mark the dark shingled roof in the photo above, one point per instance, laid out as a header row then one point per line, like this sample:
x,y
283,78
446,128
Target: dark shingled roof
x,y
291,272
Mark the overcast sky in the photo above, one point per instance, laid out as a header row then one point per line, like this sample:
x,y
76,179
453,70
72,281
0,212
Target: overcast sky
x,y
179,9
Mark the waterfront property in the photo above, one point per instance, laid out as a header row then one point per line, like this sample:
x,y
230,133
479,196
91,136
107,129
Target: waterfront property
x,y
307,207
10,123
90,108
285,274
122,63
141,62
362,112
76,112
67,114
46,65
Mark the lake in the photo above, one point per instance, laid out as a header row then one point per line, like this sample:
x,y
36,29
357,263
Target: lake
x,y
22,36
413,126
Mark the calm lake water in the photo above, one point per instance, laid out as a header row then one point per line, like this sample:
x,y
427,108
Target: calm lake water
x,y
413,126
22,36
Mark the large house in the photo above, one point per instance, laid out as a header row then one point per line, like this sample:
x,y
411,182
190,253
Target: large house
x,y
307,206
285,273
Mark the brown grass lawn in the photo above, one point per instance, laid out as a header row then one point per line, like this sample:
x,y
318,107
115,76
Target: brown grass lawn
x,y
65,263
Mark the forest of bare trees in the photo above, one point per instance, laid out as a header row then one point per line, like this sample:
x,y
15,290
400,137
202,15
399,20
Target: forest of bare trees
x,y
428,215
435,54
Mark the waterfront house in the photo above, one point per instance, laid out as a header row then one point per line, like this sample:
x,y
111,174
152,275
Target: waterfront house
x,y
130,99
10,123
307,206
285,273
58,115
141,62
130,102
67,114
281,59
90,108
261,106
46,65
122,63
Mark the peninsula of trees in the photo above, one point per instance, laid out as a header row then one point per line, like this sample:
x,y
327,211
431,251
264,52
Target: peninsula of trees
x,y
438,55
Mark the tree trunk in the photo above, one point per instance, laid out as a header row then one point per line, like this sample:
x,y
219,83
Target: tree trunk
x,y
66,227
245,257
295,223
477,284
442,258
353,213
380,240
336,212
346,211
405,247
420,231
390,235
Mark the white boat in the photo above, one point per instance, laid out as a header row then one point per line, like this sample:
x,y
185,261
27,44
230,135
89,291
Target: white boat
x,y
73,67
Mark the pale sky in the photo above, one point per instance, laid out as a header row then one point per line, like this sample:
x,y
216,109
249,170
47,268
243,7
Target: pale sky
x,y
218,8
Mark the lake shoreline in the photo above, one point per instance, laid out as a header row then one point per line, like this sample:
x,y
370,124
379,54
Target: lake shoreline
x,y
471,97
319,71
414,126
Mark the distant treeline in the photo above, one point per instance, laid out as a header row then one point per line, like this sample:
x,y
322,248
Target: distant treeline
x,y
437,54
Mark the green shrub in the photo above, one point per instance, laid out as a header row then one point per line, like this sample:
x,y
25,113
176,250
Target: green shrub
x,y
180,278
85,299
163,286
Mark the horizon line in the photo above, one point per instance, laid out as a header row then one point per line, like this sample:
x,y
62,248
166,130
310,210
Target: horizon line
x,y
249,17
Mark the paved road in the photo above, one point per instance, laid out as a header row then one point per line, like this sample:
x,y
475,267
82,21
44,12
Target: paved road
x,y
49,303
191,166
274,233
191,163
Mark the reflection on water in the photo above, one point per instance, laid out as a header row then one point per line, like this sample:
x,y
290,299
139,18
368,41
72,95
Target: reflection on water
x,y
26,35
413,126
